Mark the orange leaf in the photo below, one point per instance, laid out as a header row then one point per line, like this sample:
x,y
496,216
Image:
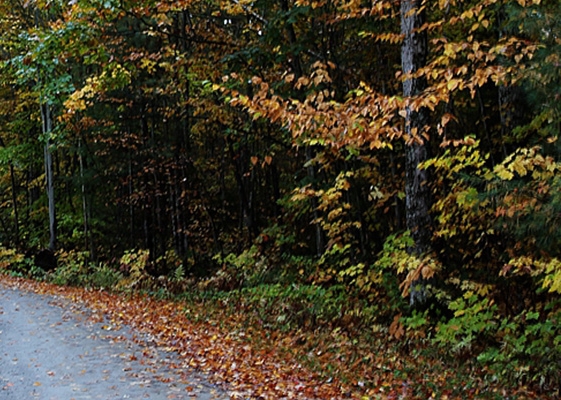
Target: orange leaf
x,y
396,328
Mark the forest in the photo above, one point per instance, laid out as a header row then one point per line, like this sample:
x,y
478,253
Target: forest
x,y
383,172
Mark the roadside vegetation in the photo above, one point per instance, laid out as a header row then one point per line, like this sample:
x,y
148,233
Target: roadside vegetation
x,y
371,189
278,340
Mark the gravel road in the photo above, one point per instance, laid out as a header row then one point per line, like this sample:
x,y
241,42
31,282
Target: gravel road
x,y
50,349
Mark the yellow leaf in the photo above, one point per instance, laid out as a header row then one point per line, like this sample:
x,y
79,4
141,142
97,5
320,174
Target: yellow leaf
x,y
519,167
442,4
505,175
452,84
459,313
467,14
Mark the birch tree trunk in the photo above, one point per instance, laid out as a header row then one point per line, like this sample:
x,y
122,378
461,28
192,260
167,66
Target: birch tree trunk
x,y
85,206
417,197
46,118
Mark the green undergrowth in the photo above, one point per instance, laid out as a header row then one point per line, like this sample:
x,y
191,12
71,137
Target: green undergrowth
x,y
342,334
331,340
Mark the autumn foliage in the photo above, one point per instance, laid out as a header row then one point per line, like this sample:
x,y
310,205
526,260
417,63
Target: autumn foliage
x,y
386,173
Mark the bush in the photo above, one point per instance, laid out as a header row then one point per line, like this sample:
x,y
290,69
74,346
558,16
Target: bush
x,y
72,270
529,349
287,307
133,267
103,276
17,264
75,269
473,324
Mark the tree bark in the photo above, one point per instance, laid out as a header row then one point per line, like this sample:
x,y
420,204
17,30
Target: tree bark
x,y
15,204
46,118
417,196
14,199
319,234
85,206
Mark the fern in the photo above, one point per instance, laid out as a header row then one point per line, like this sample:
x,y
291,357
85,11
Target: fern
x,y
179,273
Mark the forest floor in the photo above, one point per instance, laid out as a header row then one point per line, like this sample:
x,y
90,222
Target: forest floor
x,y
52,348
184,345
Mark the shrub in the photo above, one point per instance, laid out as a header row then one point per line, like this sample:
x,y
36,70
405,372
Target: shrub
x,y
75,269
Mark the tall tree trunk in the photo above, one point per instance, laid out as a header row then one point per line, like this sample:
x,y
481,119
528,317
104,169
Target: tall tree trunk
x,y
311,169
14,199
510,95
130,202
245,191
175,205
85,206
47,123
417,195
15,204
319,234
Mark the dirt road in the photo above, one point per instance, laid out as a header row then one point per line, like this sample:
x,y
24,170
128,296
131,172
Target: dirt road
x,y
50,349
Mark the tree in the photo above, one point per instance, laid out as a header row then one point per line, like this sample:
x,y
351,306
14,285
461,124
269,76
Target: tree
x,y
414,52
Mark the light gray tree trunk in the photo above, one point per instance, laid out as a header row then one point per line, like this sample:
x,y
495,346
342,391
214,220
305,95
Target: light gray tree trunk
x,y
47,123
85,206
417,196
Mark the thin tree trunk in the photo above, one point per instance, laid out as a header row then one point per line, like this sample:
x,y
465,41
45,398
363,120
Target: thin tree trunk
x,y
85,208
298,72
131,205
397,202
14,198
295,62
15,204
174,187
417,195
320,238
245,190
509,109
159,246
46,118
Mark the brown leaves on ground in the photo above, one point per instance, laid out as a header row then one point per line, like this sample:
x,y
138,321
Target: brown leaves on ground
x,y
243,360
262,364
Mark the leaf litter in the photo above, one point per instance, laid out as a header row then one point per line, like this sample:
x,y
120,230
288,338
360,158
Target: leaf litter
x,y
253,363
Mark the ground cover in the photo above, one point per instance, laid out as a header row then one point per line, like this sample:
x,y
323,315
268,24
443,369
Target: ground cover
x,y
253,361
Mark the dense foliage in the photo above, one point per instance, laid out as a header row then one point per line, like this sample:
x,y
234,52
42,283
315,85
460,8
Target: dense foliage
x,y
309,160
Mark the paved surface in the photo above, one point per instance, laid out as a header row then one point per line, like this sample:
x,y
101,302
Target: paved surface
x,y
50,349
